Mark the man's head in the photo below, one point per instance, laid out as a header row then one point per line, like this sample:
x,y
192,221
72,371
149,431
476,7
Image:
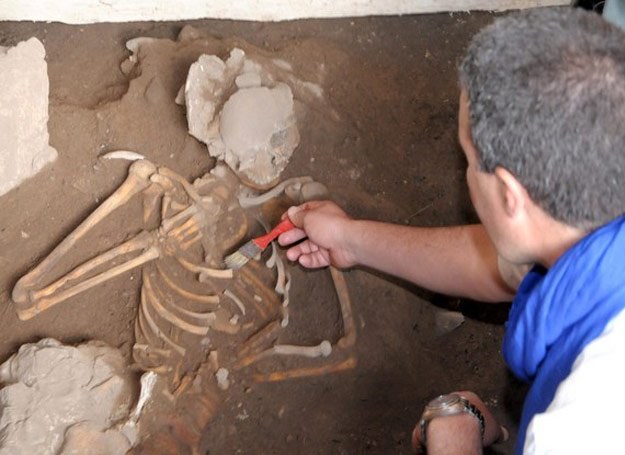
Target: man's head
x,y
546,104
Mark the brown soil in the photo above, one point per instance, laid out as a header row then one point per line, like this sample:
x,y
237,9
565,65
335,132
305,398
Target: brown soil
x,y
391,154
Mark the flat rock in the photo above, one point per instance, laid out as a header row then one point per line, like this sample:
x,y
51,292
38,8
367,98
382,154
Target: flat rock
x,y
50,387
24,149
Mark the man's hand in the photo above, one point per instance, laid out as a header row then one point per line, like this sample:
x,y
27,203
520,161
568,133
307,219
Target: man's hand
x,y
458,260
455,434
324,227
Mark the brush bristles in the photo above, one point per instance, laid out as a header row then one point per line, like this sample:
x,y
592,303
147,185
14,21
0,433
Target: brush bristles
x,y
241,256
235,260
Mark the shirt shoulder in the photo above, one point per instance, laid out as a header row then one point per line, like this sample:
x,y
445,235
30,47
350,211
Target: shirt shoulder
x,y
586,412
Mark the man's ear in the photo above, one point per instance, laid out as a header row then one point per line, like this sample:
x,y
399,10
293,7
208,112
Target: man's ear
x,y
514,195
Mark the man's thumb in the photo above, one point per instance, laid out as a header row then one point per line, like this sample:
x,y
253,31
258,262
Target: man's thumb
x,y
296,214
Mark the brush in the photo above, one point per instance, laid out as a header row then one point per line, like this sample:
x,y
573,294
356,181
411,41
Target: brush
x,y
248,251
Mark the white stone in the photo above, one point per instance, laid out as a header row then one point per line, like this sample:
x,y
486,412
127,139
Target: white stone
x,y
24,148
222,379
207,80
248,80
447,321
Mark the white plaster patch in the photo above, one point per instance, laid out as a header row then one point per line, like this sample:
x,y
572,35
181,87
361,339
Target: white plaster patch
x,y
24,148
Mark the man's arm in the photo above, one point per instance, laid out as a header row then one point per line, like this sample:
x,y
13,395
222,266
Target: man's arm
x,y
460,434
459,261
454,435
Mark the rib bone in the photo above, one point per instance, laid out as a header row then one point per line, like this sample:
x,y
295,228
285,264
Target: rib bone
x,y
152,299
206,272
143,309
211,300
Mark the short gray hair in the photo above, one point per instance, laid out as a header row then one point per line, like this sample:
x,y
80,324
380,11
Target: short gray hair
x,y
546,92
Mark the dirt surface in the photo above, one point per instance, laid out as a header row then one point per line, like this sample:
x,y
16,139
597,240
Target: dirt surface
x,y
390,154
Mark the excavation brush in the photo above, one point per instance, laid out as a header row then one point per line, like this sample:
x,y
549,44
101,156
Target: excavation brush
x,y
248,251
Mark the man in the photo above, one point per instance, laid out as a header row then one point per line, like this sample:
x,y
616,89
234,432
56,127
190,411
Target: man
x,y
542,125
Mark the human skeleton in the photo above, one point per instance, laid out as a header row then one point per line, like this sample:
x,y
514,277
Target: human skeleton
x,y
187,297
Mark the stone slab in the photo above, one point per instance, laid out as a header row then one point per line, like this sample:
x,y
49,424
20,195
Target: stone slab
x,y
91,11
24,86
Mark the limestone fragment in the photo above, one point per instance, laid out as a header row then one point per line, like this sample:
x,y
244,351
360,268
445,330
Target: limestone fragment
x,y
447,321
205,88
24,149
59,398
222,379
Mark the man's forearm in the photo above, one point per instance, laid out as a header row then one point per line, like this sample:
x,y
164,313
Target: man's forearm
x,y
454,435
458,260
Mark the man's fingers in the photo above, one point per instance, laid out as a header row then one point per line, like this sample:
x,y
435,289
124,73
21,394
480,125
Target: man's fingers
x,y
309,255
294,253
292,236
323,225
296,214
306,247
315,260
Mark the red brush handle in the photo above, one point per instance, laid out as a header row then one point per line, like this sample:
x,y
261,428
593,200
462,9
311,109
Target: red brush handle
x,y
263,241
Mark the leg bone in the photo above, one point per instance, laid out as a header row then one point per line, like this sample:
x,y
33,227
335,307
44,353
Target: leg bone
x,y
349,327
324,349
278,376
40,304
140,242
138,179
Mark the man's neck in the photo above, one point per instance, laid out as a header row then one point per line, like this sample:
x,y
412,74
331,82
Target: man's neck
x,y
554,239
